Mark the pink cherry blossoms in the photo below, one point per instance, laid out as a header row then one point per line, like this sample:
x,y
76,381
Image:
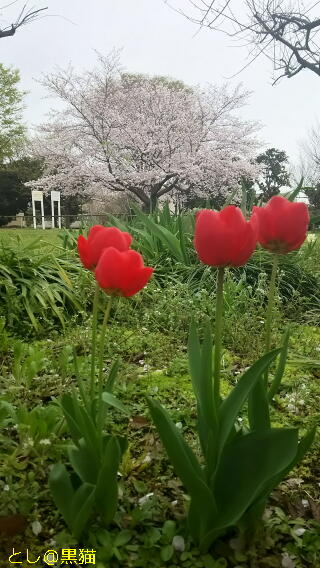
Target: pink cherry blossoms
x,y
143,136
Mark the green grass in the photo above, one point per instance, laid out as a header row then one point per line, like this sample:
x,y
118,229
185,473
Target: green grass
x,y
47,237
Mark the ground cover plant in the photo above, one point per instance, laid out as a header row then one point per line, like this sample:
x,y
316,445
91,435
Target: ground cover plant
x,y
145,354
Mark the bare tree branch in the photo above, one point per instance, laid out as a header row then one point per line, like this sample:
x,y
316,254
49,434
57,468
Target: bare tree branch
x,y
25,17
282,30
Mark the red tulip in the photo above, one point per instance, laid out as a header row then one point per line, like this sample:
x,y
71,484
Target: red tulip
x,y
122,273
224,238
282,224
99,238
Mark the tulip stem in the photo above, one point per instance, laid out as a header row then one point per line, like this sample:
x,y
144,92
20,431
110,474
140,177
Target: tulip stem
x,y
218,336
102,340
271,301
94,336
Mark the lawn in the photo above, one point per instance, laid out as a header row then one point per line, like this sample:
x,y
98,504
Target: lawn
x,y
27,235
148,333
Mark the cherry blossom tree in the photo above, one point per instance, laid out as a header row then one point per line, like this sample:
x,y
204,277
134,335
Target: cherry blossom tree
x,y
143,136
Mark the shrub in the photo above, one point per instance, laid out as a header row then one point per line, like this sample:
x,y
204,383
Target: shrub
x,y
39,290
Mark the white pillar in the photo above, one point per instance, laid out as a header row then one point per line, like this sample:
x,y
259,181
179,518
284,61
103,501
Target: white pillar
x,y
59,214
55,197
52,211
42,214
37,196
34,213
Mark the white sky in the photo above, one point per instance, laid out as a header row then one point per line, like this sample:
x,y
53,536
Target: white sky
x,y
156,40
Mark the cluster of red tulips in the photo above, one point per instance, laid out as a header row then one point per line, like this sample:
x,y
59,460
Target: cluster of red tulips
x,y
227,239
119,271
223,238
221,496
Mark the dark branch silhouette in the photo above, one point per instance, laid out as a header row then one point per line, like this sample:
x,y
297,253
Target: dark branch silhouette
x,y
25,17
284,31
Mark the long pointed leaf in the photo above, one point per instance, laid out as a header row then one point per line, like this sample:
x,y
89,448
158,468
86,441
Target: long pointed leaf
x,y
246,466
231,406
112,375
82,506
106,494
62,491
280,367
207,418
181,456
258,407
194,353
169,240
110,399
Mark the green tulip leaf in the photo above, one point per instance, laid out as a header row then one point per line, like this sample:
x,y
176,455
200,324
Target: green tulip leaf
x,y
231,406
280,367
207,418
246,466
166,237
68,406
258,407
110,399
83,462
112,375
82,507
62,491
106,493
194,353
181,456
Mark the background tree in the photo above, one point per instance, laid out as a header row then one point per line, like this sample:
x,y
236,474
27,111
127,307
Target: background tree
x,y
15,197
310,165
274,174
12,130
142,136
313,195
310,157
287,32
15,194
24,16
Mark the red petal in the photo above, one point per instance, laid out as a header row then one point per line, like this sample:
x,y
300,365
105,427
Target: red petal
x,y
128,238
282,225
108,237
122,271
132,265
224,238
138,281
108,272
212,238
94,230
233,216
294,225
84,252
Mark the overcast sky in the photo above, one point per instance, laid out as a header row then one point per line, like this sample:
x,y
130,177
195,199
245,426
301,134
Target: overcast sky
x,y
156,40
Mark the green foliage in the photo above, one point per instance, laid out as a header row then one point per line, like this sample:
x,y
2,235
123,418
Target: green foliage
x,y
222,495
138,536
11,128
38,290
15,196
27,363
149,332
95,458
274,174
313,195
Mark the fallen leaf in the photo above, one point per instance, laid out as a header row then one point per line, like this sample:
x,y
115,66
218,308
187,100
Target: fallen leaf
x,y
12,524
139,422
